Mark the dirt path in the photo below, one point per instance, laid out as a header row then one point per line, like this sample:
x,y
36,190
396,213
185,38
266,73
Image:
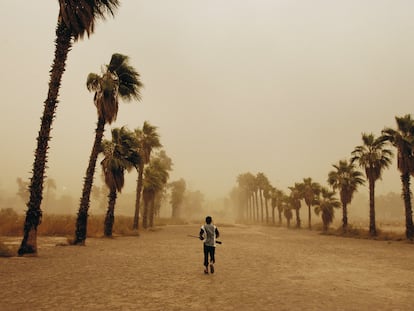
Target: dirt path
x,y
258,268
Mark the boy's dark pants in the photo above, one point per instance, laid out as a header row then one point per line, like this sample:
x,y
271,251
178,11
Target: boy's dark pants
x,y
209,250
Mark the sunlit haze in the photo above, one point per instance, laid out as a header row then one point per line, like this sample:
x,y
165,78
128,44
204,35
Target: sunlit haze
x,y
280,87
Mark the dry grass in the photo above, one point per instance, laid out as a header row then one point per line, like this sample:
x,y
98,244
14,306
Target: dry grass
x,y
11,224
363,233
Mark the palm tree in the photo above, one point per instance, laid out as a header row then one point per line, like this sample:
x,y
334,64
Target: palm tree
x,y
309,191
255,190
246,182
403,139
119,81
325,205
262,183
278,201
346,179
117,160
374,157
287,210
267,196
156,177
148,139
76,18
178,188
294,200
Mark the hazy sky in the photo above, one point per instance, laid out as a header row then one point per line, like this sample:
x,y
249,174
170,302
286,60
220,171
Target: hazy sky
x,y
280,87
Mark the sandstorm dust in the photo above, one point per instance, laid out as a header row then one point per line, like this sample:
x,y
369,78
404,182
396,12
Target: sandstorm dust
x,y
257,268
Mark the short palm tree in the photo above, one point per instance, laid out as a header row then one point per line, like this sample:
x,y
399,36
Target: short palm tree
x,y
147,140
119,81
76,18
117,160
325,205
346,179
156,177
403,139
374,157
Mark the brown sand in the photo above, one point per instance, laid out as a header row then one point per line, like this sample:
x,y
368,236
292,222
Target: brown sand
x,y
257,268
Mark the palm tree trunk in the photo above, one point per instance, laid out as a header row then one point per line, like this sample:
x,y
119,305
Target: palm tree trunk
x,y
297,218
267,211
261,205
82,220
344,217
280,216
34,213
147,198
252,211
325,224
409,229
257,206
372,226
151,211
273,216
309,217
246,202
138,195
109,219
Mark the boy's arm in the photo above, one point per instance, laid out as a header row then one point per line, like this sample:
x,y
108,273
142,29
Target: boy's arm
x,y
217,232
201,234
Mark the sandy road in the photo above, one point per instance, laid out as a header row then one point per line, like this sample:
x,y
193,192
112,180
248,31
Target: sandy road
x,y
258,268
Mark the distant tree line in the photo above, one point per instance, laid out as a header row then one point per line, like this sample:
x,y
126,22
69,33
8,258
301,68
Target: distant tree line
x,y
258,201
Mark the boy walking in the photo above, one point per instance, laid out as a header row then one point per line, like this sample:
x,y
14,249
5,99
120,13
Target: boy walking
x,y
209,233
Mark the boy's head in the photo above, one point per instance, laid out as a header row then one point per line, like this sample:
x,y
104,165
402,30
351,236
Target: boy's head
x,y
208,220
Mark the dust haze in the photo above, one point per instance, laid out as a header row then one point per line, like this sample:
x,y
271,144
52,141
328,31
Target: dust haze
x,y
280,87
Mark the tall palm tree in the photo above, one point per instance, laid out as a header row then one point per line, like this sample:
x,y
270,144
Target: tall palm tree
x,y
287,210
346,179
178,188
267,196
374,157
117,154
403,139
147,139
255,190
309,191
247,182
119,81
294,200
262,183
325,205
76,18
279,196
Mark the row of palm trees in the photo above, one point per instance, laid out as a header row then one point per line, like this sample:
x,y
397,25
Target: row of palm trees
x,y
122,154
374,156
75,20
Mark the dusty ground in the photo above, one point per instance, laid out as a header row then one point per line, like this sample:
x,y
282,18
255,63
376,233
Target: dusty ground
x,y
258,268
